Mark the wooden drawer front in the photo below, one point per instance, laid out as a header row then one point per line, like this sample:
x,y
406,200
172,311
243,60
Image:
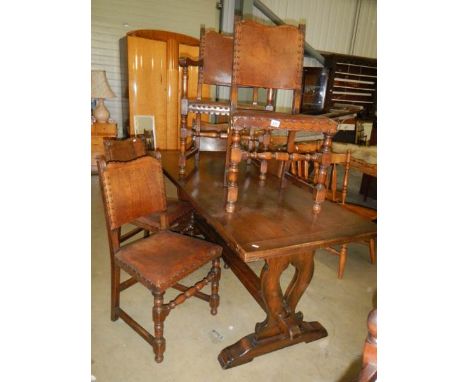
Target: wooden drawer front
x,y
104,129
98,142
98,132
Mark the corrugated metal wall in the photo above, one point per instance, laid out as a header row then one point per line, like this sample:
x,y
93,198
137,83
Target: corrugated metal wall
x,y
339,26
108,19
330,23
366,36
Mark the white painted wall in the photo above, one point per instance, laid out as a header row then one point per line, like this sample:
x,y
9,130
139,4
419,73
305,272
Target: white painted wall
x,y
108,19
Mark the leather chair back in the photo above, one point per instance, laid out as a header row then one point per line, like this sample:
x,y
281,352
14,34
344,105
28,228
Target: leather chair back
x,y
263,55
132,189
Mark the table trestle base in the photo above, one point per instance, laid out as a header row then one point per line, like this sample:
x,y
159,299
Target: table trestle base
x,y
249,347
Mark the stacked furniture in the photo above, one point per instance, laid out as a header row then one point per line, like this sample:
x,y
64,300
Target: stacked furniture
x,y
271,57
208,130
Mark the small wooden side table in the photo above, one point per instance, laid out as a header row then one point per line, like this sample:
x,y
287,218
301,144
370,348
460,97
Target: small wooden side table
x,y
98,132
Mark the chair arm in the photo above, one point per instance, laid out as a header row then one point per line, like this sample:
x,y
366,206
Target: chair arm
x,y
187,61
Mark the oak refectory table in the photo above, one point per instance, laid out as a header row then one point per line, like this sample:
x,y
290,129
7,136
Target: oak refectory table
x,y
271,224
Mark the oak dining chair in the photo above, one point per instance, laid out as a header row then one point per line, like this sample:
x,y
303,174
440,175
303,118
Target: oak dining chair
x,y
179,213
271,57
337,192
160,261
208,131
214,69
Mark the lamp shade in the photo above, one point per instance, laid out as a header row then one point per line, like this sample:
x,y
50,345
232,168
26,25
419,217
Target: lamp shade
x,y
99,85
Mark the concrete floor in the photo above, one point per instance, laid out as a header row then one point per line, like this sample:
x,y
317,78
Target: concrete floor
x,y
341,306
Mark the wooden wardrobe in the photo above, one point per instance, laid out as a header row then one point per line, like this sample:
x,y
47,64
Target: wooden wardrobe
x,y
154,79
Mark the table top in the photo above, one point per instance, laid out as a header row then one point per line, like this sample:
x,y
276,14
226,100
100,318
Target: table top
x,y
268,221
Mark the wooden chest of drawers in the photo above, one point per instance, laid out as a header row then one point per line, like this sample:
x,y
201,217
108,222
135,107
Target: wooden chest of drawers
x,y
98,132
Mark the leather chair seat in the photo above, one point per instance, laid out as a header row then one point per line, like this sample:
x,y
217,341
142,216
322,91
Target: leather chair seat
x,y
164,258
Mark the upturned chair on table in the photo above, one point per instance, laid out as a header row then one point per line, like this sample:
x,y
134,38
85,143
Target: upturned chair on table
x,y
301,170
179,213
271,57
214,69
136,188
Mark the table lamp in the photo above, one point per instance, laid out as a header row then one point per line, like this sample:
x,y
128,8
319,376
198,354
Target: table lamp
x,y
100,89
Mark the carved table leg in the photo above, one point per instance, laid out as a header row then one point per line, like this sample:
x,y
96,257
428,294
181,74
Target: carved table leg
x,y
283,326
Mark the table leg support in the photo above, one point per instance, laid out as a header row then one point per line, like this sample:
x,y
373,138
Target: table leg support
x,y
283,326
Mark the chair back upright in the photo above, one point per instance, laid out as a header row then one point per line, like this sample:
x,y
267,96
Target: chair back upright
x,y
216,52
268,57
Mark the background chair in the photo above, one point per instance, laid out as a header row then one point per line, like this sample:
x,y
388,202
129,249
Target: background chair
x,y
179,213
337,192
214,69
271,57
302,168
133,189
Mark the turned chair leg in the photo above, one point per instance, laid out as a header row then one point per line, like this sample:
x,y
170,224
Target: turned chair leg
x,y
372,250
343,255
235,157
214,297
115,292
159,315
